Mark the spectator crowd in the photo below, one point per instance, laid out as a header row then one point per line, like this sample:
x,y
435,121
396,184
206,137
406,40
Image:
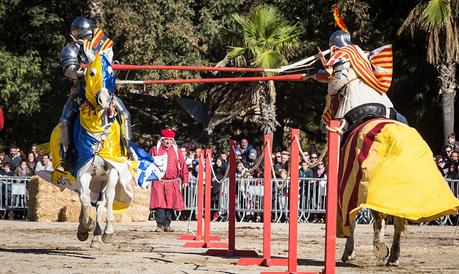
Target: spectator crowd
x,y
448,160
249,165
17,163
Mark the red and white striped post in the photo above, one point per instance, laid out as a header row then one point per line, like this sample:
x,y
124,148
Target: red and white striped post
x,y
232,251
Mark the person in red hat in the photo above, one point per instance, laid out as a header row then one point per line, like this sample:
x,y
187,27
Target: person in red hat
x,y
165,193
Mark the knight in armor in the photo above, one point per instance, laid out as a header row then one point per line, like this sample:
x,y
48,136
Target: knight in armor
x,y
360,94
72,57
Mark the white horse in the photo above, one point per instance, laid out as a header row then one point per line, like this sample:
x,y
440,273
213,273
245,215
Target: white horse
x,y
92,181
103,175
107,169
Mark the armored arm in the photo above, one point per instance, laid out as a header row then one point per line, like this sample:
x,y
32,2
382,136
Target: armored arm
x,y
321,76
70,62
340,77
125,118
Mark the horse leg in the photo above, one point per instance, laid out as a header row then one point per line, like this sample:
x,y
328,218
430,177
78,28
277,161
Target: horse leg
x,y
380,249
97,239
113,178
348,253
86,223
394,258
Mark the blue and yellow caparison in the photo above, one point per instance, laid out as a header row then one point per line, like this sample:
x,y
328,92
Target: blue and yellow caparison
x,y
97,132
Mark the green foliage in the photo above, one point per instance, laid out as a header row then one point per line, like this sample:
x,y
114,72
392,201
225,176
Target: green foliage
x,y
156,32
193,32
31,81
267,37
436,13
22,82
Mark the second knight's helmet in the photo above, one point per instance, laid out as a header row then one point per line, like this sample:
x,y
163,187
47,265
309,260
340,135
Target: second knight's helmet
x,y
340,39
82,28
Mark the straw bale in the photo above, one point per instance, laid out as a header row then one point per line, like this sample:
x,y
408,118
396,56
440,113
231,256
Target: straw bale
x,y
47,203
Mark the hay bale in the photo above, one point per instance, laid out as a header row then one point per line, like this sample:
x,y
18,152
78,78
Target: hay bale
x,y
47,203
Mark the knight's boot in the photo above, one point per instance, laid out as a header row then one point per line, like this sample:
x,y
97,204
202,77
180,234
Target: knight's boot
x,y
68,161
65,131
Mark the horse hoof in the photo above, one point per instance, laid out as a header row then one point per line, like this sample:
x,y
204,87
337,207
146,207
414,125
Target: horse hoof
x,y
347,258
392,262
96,244
82,235
107,238
381,251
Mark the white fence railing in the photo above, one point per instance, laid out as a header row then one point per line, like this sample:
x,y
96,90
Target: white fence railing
x,y
249,202
13,194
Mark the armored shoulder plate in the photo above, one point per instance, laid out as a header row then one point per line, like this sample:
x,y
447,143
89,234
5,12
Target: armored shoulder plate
x,y
69,55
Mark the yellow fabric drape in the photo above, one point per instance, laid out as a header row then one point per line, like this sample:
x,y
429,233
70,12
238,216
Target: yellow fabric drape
x,y
387,166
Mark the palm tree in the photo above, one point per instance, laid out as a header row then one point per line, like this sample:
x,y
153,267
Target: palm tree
x,y
439,19
268,40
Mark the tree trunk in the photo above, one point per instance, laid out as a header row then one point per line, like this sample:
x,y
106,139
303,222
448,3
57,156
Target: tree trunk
x,y
268,120
447,76
278,137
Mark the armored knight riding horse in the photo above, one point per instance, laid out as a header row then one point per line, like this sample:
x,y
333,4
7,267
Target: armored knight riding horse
x,y
103,173
385,165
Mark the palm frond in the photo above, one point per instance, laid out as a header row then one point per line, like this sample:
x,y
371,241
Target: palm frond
x,y
412,22
439,19
435,14
270,59
265,31
234,52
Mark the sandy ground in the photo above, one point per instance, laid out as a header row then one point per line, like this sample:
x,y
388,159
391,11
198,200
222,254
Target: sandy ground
x,y
27,247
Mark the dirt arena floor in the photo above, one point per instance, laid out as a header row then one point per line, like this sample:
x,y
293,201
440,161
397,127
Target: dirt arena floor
x,y
27,247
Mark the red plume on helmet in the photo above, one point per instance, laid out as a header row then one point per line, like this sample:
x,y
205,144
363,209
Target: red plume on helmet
x,y
339,21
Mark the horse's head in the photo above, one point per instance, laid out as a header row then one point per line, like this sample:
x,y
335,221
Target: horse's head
x,y
100,81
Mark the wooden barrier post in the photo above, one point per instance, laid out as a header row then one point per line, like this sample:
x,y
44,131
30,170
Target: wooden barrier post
x,y
232,251
332,199
199,210
266,260
293,206
207,243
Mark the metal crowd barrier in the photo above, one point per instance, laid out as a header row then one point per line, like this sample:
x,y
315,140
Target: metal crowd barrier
x,y
249,199
312,194
13,195
249,202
